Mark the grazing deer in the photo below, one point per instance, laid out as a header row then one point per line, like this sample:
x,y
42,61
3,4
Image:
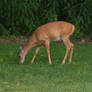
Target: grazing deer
x,y
44,34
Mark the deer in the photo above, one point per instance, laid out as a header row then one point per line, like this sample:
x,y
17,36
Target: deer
x,y
46,33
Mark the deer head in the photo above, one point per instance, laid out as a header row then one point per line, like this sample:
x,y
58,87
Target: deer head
x,y
21,55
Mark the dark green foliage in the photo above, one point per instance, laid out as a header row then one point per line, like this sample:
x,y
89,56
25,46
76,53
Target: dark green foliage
x,y
3,30
22,17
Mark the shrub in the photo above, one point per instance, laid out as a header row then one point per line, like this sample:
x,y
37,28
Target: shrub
x,y
23,17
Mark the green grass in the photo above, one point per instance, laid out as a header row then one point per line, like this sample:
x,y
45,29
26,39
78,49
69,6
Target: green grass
x,y
42,77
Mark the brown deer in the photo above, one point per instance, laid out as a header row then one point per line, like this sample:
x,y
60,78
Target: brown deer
x,y
44,34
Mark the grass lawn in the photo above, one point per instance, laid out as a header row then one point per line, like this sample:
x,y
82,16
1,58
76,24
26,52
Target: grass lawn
x,y
42,77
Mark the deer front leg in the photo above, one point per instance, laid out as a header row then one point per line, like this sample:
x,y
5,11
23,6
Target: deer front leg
x,y
48,50
36,51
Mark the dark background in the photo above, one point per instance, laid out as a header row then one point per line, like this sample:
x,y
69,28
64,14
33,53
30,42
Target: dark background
x,y
22,17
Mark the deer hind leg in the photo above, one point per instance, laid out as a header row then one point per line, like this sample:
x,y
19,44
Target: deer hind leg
x,y
68,46
71,52
48,50
36,51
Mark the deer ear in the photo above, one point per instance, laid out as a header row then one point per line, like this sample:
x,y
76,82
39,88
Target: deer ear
x,y
21,47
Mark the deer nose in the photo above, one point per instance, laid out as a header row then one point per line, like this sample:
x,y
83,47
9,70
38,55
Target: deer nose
x,y
20,63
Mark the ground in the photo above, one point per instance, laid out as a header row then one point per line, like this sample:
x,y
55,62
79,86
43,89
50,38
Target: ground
x,y
42,77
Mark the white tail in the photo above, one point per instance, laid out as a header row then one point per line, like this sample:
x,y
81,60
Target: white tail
x,y
46,33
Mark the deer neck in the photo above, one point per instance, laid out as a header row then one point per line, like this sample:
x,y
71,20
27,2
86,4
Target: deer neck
x,y
30,44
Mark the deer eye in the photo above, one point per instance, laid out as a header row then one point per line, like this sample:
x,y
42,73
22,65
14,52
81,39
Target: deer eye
x,y
19,56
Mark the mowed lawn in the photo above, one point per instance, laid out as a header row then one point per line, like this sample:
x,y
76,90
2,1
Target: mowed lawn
x,y
42,77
